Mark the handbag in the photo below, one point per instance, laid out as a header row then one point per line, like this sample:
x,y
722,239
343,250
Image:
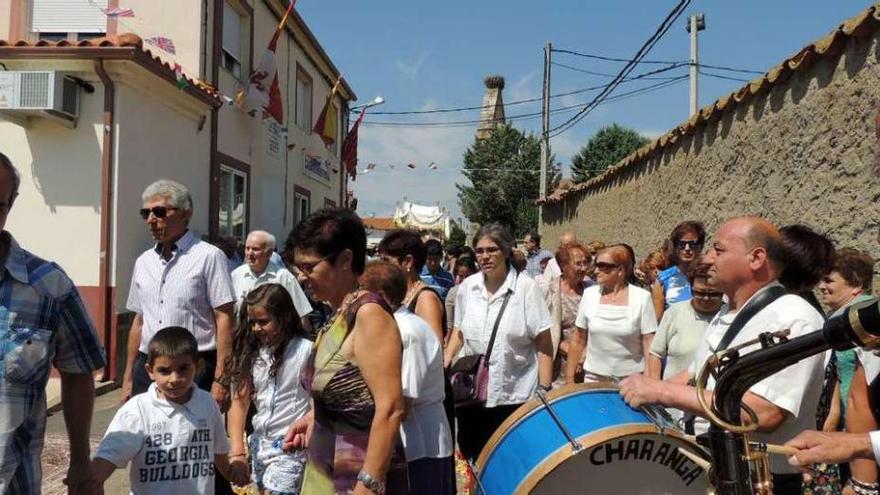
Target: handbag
x,y
470,374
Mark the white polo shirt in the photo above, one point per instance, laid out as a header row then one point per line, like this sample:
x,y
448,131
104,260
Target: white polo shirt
x,y
171,446
513,366
795,389
244,280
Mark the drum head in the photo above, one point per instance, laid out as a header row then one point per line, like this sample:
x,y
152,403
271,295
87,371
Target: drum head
x,y
645,463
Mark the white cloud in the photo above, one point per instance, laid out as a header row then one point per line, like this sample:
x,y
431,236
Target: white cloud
x,y
411,69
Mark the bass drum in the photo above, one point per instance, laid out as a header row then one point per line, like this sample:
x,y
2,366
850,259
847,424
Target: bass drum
x,y
622,450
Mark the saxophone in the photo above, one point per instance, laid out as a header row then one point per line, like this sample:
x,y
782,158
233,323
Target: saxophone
x,y
740,466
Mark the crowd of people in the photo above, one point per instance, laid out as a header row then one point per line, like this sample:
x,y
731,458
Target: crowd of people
x,y
339,372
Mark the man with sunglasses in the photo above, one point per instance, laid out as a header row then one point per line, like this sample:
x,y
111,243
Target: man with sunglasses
x,y
745,260
180,281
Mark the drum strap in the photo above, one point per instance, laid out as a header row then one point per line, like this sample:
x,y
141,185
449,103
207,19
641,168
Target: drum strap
x,y
758,302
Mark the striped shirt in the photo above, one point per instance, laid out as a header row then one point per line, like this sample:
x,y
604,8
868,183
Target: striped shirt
x,y
182,291
42,322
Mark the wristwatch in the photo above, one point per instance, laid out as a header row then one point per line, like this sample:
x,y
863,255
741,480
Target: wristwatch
x,y
372,484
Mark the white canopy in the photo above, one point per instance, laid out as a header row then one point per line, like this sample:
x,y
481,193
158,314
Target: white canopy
x,y
411,215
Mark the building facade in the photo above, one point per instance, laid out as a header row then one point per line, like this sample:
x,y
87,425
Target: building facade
x,y
132,112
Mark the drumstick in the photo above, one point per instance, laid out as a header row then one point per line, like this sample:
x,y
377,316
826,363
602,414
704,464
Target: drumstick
x,y
699,461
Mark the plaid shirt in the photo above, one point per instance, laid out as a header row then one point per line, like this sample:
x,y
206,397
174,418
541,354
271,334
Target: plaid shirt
x,y
42,322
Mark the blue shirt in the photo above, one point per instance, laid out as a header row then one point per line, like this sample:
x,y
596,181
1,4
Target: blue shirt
x,y
675,286
441,281
42,322
533,261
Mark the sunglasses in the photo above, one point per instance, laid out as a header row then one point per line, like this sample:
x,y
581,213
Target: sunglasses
x,y
157,211
487,250
707,294
693,245
606,267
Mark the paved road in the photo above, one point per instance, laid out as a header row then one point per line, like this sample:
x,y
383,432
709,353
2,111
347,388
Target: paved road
x,y
56,451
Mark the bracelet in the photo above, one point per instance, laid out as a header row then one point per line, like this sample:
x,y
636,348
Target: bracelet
x,y
370,483
862,488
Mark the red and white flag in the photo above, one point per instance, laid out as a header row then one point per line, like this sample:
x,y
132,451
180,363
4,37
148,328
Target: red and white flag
x,y
262,91
162,43
118,12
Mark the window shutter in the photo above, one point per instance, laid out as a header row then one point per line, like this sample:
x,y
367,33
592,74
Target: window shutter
x,y
69,16
232,31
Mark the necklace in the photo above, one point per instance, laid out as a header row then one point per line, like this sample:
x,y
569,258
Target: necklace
x,y
411,293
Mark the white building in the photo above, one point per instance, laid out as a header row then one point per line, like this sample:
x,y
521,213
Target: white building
x,y
122,122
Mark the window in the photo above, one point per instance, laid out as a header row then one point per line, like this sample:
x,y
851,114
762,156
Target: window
x,y
303,100
329,203
233,203
59,17
52,36
301,204
233,29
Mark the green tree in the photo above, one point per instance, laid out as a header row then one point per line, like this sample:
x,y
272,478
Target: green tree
x,y
457,237
607,147
504,172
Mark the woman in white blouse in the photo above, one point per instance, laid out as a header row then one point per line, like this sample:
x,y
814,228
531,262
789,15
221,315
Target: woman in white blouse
x,y
615,321
521,358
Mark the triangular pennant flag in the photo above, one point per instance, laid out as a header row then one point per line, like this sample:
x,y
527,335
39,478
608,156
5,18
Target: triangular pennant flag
x,y
162,43
411,165
118,12
432,166
181,78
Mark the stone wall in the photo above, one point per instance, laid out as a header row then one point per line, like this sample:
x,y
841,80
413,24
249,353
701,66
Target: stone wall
x,y
803,151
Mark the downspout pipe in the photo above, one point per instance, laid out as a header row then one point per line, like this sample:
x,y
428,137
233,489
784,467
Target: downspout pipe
x,y
105,290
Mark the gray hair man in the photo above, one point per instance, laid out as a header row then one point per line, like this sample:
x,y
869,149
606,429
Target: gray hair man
x,y
259,269
180,281
45,323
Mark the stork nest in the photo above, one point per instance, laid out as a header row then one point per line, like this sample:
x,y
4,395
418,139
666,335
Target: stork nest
x,y
494,82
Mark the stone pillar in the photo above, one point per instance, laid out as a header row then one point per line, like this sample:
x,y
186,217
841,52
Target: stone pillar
x,y
492,113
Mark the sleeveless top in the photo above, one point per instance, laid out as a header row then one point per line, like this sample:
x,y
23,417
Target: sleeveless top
x,y
412,306
675,286
344,410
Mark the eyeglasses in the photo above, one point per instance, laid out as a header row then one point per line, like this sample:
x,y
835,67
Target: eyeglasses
x,y
487,250
157,211
693,245
606,267
707,294
307,268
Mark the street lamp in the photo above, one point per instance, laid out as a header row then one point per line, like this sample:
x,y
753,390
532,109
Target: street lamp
x,y
376,101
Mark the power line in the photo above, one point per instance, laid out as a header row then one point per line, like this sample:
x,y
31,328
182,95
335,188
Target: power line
x,y
627,69
603,74
614,59
730,69
527,116
719,76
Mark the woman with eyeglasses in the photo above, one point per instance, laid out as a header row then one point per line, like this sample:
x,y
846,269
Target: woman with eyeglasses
x,y
354,375
615,321
671,286
683,325
563,296
521,357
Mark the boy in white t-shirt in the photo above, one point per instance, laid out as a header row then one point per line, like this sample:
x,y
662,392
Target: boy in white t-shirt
x,y
173,434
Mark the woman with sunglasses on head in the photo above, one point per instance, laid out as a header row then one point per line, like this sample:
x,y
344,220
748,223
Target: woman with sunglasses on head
x,y
520,359
683,325
685,244
615,321
354,374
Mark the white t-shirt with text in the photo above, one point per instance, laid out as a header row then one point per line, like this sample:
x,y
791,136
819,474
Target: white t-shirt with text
x,y
170,446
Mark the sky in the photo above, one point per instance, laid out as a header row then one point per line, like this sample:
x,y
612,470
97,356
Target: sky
x,y
422,55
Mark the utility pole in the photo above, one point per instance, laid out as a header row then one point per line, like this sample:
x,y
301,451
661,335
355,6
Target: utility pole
x,y
545,134
696,23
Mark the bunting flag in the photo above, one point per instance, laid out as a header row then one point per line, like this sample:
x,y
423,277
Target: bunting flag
x,y
162,43
325,126
432,166
181,78
411,165
350,147
262,90
118,12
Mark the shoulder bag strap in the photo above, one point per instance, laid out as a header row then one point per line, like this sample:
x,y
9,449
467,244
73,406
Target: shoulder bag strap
x,y
756,304
498,322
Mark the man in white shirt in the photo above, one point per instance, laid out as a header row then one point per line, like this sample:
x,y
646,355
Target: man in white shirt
x,y
259,269
746,258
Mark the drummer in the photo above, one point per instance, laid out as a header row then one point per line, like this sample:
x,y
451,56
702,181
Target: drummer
x,y
745,260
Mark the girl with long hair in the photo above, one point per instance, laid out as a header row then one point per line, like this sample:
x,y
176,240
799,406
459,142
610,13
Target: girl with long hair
x,y
269,353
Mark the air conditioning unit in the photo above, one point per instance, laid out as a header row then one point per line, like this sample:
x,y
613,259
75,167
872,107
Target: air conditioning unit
x,y
40,93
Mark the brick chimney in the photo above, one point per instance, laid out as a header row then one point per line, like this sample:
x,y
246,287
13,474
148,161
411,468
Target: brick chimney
x,y
492,113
